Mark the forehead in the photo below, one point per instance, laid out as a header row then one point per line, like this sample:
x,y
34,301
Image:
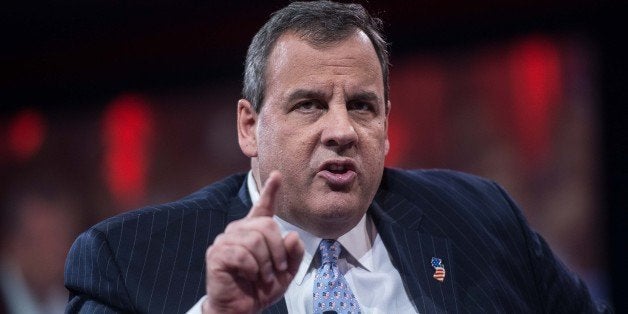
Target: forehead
x,y
296,61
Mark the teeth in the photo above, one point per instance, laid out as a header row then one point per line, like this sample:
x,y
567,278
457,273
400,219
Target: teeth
x,y
336,168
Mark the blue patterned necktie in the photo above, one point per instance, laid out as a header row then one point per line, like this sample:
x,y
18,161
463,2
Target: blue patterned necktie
x,y
331,291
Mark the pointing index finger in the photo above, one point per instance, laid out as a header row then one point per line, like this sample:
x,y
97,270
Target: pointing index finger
x,y
264,206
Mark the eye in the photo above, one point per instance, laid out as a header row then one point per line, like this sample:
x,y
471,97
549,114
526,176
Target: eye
x,y
309,106
360,106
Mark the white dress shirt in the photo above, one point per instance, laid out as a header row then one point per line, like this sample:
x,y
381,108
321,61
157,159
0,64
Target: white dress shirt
x,y
364,262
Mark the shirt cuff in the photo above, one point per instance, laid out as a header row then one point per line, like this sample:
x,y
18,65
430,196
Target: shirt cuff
x,y
197,308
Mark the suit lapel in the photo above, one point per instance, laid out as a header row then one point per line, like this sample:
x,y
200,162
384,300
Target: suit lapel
x,y
278,307
400,224
239,205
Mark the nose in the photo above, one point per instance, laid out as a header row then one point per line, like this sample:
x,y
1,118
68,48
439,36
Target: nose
x,y
338,130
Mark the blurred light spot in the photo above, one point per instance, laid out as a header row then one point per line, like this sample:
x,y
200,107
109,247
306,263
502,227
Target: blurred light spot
x,y
26,134
397,139
127,131
417,128
537,87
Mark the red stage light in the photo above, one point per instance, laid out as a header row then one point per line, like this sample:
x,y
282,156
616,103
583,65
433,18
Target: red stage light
x,y
26,134
537,90
127,131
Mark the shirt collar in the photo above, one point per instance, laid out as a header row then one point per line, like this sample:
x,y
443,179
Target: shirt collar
x,y
357,243
252,187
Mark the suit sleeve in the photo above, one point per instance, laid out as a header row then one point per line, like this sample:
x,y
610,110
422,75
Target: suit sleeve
x,y
559,290
93,277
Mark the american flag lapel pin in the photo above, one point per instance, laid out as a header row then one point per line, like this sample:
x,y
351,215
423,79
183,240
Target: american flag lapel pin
x,y
439,269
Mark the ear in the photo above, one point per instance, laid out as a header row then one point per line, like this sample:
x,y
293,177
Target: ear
x,y
247,128
387,143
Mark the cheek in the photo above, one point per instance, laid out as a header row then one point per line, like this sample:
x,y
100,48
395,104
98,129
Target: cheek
x,y
376,140
284,148
374,149
297,157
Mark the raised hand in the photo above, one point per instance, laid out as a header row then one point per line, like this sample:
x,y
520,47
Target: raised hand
x,y
250,265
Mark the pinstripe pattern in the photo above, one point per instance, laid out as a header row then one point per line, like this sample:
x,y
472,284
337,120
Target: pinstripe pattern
x,y
494,262
152,260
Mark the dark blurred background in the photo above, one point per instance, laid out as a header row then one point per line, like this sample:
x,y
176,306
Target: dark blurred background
x,y
110,105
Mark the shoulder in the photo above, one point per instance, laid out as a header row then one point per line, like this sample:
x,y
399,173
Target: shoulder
x,y
205,208
213,197
218,192
132,252
447,197
428,175
441,182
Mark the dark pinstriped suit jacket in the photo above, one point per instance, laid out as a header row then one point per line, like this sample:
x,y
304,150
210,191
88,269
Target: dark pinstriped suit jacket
x,y
152,260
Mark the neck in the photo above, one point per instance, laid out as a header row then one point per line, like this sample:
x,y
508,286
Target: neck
x,y
323,228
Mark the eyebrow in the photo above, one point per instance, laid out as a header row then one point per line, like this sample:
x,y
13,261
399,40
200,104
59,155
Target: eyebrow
x,y
319,94
365,96
307,94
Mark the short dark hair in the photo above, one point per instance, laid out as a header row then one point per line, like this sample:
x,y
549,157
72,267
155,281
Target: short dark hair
x,y
318,22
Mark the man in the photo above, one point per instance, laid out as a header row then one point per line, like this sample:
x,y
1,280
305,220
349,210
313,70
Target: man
x,y
37,228
318,224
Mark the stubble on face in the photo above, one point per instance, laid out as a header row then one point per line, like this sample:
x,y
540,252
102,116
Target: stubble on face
x,y
323,125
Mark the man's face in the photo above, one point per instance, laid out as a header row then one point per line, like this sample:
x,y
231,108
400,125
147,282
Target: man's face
x,y
323,125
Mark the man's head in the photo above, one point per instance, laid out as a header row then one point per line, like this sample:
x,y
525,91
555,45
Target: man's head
x,y
318,22
322,121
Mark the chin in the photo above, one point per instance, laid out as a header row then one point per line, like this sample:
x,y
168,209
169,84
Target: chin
x,y
333,223
340,208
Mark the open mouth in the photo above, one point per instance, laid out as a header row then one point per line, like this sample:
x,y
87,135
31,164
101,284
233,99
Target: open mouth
x,y
336,168
339,174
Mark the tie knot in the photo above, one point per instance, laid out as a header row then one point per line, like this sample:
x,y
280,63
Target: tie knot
x,y
330,250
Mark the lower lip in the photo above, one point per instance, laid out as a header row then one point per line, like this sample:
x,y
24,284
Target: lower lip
x,y
338,180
